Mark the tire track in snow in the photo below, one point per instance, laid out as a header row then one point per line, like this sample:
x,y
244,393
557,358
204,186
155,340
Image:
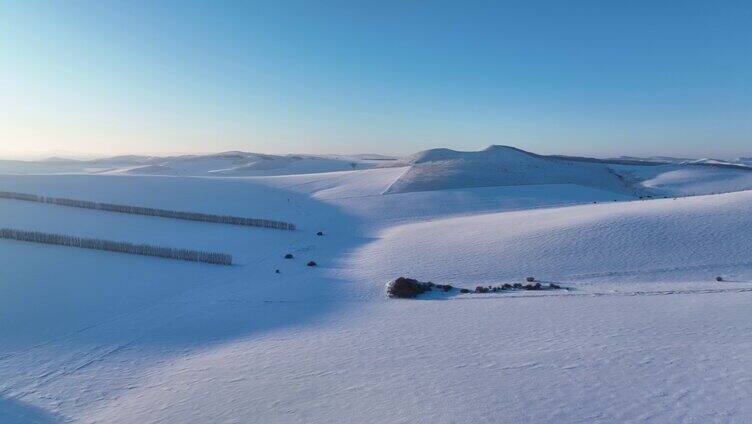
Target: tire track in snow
x,y
656,270
609,294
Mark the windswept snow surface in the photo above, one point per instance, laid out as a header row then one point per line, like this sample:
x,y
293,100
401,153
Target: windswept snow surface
x,y
645,334
680,240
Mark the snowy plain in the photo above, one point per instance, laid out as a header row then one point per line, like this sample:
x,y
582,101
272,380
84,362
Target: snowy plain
x,y
645,334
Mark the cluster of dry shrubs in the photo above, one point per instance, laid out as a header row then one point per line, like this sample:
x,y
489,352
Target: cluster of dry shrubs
x,y
408,288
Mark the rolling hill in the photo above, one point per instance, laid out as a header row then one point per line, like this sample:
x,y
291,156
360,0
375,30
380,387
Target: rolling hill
x,y
441,169
644,332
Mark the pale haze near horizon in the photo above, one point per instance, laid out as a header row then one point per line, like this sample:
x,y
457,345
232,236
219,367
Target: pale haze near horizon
x,y
96,79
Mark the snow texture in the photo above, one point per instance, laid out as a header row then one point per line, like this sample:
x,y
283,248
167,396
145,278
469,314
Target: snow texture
x,y
645,335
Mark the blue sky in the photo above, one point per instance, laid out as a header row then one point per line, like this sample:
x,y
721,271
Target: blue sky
x,y
597,78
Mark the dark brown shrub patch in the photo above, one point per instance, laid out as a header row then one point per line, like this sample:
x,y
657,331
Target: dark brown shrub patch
x,y
406,288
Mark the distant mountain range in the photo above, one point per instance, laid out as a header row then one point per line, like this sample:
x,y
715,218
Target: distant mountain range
x,y
219,164
437,169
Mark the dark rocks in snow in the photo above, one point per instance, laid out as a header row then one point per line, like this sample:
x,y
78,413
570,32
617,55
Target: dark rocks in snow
x,y
407,288
445,287
554,286
719,278
276,271
312,263
320,233
517,285
506,286
530,279
464,291
481,289
289,256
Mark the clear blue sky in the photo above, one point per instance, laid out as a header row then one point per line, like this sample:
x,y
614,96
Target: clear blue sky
x,y
577,77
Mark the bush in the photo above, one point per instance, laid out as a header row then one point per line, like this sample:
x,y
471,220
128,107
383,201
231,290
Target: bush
x,y
406,288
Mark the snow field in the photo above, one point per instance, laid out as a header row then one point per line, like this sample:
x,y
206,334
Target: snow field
x,y
646,336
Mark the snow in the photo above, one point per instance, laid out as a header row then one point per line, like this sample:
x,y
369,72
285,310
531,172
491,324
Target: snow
x,y
577,359
644,334
686,182
441,169
220,164
499,166
626,241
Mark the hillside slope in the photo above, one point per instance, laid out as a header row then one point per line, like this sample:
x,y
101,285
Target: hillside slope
x,y
441,169
219,164
686,239
645,333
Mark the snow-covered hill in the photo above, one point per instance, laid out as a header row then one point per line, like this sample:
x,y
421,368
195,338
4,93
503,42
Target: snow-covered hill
x,y
437,169
248,164
683,239
645,333
669,159
220,164
441,169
